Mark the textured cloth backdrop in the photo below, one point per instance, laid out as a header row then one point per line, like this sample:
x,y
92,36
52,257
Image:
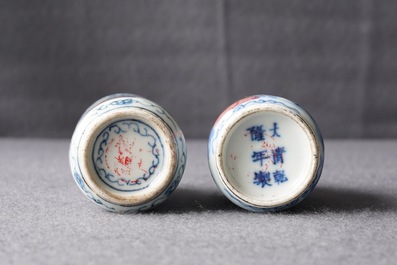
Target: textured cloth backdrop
x,y
350,218
338,59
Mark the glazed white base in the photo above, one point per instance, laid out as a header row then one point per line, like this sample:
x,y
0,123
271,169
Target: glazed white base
x,y
298,159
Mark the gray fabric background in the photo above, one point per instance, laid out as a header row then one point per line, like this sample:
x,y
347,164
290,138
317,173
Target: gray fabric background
x,y
350,218
338,59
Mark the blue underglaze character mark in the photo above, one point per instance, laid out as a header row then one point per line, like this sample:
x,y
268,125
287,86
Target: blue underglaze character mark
x,y
278,155
257,133
279,176
262,178
259,156
274,130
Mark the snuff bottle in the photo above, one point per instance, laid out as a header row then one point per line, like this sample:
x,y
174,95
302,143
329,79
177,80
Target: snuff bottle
x,y
127,154
265,153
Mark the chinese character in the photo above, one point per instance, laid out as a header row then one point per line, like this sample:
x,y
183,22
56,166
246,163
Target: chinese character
x,y
275,127
259,156
278,155
279,176
262,178
256,133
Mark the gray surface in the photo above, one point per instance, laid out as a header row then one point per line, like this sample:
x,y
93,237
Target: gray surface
x,y
335,58
350,218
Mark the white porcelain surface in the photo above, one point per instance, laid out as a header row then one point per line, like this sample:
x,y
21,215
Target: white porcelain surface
x,y
127,153
265,153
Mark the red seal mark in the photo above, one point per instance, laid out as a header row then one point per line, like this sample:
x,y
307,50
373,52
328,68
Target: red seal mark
x,y
140,166
123,161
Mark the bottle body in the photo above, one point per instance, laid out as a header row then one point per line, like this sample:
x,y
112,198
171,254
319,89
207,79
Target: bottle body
x,y
127,153
265,153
